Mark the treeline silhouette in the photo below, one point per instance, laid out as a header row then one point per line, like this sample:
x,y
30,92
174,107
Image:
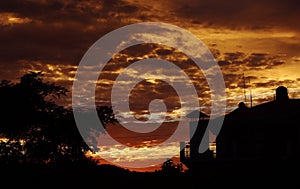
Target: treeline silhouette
x,y
34,129
40,145
39,139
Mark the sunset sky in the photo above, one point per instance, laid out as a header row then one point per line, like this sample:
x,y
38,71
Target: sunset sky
x,y
260,39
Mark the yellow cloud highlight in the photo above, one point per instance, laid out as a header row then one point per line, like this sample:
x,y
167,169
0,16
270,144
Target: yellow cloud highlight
x,y
118,154
7,19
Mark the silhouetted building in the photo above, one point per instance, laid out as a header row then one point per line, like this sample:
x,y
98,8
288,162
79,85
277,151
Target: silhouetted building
x,y
268,131
190,155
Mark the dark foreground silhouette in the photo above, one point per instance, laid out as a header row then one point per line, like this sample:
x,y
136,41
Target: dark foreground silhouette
x,y
234,174
41,146
259,144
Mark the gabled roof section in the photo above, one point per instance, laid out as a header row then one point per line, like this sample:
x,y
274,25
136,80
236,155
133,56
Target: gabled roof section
x,y
197,114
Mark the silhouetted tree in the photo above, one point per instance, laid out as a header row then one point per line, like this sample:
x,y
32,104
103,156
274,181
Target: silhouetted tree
x,y
35,128
170,168
27,103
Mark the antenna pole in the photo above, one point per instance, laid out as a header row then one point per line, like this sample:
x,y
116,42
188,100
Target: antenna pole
x,y
244,85
250,97
250,93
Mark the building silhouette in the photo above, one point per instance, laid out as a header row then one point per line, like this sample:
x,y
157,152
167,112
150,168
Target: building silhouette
x,y
198,124
267,132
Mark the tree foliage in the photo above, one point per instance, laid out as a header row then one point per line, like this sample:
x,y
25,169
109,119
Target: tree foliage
x,y
34,128
170,168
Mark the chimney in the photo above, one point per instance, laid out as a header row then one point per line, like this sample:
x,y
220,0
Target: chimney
x,y
281,94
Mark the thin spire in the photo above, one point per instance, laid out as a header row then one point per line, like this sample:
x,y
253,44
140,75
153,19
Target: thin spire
x,y
250,93
244,85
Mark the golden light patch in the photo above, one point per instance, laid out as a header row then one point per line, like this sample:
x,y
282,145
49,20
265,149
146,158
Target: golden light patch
x,y
7,19
153,81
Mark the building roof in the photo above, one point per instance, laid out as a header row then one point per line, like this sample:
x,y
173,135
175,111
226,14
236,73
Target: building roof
x,y
273,109
196,114
280,107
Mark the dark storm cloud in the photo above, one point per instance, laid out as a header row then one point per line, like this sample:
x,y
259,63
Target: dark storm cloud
x,y
85,11
274,83
262,61
223,62
234,56
234,64
63,30
164,52
30,8
44,42
215,52
234,81
59,31
254,61
238,14
142,94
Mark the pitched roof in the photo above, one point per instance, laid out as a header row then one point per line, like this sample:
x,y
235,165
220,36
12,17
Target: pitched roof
x,y
268,109
197,114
